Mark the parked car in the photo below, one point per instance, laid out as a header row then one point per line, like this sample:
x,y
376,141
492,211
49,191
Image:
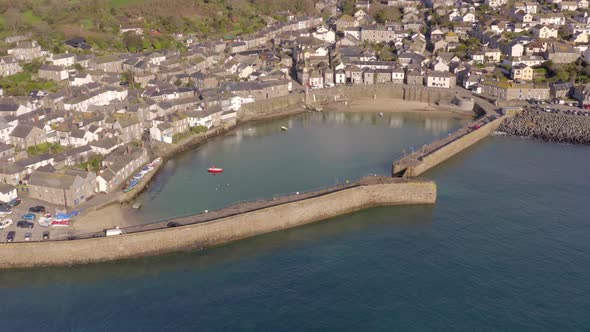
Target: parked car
x,y
37,209
14,202
5,210
10,236
173,224
25,224
29,216
28,236
5,223
45,235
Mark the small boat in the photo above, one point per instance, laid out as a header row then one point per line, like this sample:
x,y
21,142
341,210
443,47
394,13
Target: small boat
x,y
61,220
60,223
283,128
381,114
215,170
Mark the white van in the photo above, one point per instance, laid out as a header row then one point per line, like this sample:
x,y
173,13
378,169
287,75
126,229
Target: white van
x,y
113,231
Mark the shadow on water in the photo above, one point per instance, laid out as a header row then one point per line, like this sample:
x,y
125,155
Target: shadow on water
x,y
403,219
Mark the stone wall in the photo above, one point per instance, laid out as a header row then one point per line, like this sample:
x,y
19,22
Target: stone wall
x,y
269,108
433,159
294,103
386,192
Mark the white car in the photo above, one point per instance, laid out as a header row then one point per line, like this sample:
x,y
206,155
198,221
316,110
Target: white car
x,y
5,223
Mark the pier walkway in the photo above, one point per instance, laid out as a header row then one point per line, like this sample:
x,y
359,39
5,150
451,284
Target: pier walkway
x,y
442,149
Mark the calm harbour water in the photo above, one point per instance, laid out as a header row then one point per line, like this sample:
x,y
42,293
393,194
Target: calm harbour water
x,y
259,161
505,248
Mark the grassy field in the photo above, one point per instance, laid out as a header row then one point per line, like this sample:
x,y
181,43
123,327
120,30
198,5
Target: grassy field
x,y
23,83
123,3
30,18
45,148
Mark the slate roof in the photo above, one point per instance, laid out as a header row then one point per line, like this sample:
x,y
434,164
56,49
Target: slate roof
x,y
21,131
52,180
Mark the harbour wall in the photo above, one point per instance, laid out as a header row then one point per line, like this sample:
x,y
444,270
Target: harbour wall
x,y
68,252
448,150
295,102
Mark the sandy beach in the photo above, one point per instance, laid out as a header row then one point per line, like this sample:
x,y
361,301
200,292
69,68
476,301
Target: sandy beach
x,y
393,105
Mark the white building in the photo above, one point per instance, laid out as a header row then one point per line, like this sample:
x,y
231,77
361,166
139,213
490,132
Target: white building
x,y
7,193
322,33
64,60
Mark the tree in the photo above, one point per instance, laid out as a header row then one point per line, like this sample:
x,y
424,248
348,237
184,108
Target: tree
x,y
561,75
132,42
348,7
380,16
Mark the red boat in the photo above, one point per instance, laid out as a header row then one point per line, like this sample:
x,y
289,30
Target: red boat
x,y
215,170
60,222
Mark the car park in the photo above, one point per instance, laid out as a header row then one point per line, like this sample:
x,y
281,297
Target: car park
x,y
29,216
5,223
37,209
25,224
10,236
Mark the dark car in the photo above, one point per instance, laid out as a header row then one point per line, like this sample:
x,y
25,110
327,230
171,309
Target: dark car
x,y
173,224
4,208
37,209
45,235
14,202
10,236
25,224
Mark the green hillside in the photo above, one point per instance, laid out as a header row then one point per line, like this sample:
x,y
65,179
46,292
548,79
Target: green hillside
x,y
99,21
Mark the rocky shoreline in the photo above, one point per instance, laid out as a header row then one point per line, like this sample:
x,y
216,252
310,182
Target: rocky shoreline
x,y
550,127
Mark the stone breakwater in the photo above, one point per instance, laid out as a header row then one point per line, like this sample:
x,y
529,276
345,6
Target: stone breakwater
x,y
550,127
370,193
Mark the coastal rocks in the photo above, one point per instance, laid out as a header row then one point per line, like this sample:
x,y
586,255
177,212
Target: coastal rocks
x,y
550,127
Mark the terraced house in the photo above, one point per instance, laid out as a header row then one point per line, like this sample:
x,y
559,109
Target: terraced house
x,y
120,165
100,97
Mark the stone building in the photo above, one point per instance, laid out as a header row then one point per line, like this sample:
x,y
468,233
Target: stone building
x,y
24,136
511,91
521,72
25,50
53,73
441,79
9,66
561,53
68,189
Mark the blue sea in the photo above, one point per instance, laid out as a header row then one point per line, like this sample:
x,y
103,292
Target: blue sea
x,y
506,248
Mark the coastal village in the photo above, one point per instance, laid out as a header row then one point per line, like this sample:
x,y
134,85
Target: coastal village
x,y
106,117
